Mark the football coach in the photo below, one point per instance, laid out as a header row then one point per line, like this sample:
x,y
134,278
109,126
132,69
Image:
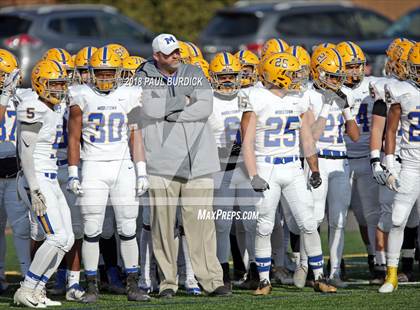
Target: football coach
x,y
181,156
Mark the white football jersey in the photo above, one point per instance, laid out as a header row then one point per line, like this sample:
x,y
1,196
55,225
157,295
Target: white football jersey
x,y
32,111
105,124
377,91
333,136
278,122
8,124
408,96
225,122
362,111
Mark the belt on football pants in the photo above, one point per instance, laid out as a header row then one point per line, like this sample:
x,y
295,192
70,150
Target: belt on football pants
x,y
330,154
278,160
50,175
357,157
62,162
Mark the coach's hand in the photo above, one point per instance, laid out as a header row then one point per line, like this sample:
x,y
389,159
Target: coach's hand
x,y
38,203
142,185
259,184
315,180
378,171
74,186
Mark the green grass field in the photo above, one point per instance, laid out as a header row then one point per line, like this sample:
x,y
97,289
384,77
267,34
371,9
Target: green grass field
x,y
357,296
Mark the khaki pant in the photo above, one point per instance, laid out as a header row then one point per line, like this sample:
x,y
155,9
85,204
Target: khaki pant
x,y
195,195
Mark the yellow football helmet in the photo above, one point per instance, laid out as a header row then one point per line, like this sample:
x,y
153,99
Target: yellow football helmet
x,y
44,74
355,61
81,63
249,64
303,56
273,46
399,59
194,50
129,66
414,64
184,51
328,69
202,63
389,65
8,63
225,74
119,49
63,57
323,45
105,60
283,70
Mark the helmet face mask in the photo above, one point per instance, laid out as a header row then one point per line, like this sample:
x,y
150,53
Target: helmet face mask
x,y
55,89
330,80
355,73
105,79
249,75
414,73
226,83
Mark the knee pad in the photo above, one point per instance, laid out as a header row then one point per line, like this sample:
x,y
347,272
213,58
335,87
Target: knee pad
x,y
309,226
264,228
61,240
92,228
385,222
399,215
127,228
22,228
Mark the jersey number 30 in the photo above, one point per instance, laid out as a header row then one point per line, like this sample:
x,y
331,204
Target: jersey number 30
x,y
105,128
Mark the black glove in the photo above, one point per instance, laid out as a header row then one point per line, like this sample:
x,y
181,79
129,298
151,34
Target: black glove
x,y
259,184
236,149
315,180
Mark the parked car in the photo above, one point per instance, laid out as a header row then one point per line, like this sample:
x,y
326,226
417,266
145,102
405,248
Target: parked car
x,y
29,31
407,26
298,22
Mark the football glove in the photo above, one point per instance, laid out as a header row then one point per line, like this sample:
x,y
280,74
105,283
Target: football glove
x,y
315,180
259,184
142,185
391,174
378,171
9,86
74,186
38,203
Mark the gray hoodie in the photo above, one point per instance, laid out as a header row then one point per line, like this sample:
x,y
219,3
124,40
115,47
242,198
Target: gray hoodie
x,y
178,140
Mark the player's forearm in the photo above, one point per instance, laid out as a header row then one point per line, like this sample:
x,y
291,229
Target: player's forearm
x,y
136,146
313,162
248,129
73,151
353,130
377,132
390,142
250,161
391,128
307,141
27,148
75,132
2,111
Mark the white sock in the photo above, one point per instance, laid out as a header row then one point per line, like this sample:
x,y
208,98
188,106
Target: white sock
x,y
277,244
263,267
380,257
302,254
395,241
73,277
188,266
52,267
336,243
23,252
130,255
90,257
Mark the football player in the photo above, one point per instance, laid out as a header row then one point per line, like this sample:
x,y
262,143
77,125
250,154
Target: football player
x,y
81,64
249,64
328,74
10,208
202,63
274,124
404,101
379,115
40,130
231,183
119,49
365,191
105,116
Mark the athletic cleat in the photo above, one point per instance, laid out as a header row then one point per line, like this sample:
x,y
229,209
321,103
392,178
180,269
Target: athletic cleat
x,y
115,284
336,281
379,275
75,293
191,287
391,281
91,292
252,279
264,288
282,276
25,296
134,293
322,286
299,277
41,295
406,276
